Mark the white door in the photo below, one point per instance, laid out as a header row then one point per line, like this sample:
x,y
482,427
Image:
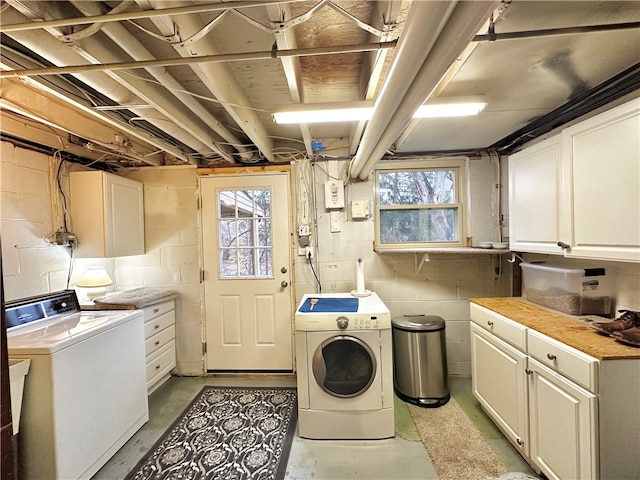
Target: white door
x,y
247,272
499,383
534,198
563,425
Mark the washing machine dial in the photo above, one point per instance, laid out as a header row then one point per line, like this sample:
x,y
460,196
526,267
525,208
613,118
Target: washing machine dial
x,y
342,322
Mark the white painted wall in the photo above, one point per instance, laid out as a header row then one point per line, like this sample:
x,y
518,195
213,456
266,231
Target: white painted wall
x,y
440,287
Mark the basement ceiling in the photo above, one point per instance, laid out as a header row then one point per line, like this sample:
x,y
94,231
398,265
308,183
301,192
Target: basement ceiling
x,y
150,82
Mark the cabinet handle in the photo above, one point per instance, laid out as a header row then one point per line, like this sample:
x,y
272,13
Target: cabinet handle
x,y
519,442
490,323
156,310
157,367
551,356
156,326
157,342
527,371
563,245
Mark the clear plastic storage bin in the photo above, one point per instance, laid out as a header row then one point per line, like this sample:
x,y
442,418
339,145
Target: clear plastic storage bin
x,y
581,291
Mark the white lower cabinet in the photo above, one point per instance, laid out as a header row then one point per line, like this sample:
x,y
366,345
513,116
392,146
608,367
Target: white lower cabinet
x,y
563,422
499,383
160,342
545,414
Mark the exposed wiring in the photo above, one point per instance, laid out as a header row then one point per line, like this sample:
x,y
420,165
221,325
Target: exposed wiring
x,y
314,272
196,95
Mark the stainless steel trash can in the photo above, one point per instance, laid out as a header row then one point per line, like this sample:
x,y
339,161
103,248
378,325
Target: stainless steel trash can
x,y
420,360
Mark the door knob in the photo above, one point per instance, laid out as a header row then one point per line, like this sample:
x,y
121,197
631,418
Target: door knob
x,y
283,284
283,269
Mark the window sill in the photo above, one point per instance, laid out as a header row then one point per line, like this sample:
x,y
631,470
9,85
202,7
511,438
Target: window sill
x,y
445,250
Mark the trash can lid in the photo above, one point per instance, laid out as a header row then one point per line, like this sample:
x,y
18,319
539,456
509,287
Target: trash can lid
x,y
419,323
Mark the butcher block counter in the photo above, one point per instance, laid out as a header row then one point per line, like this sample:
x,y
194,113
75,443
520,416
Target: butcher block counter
x,y
564,328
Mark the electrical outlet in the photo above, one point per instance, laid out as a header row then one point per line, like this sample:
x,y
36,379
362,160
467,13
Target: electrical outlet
x,y
304,230
309,252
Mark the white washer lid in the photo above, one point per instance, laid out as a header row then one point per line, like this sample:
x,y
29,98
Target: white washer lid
x,y
51,335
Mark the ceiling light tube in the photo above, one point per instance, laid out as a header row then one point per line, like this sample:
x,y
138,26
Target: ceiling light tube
x,y
324,112
357,111
449,110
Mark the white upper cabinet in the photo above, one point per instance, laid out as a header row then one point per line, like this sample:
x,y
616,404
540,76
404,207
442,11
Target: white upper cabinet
x,y
578,193
534,198
107,214
601,185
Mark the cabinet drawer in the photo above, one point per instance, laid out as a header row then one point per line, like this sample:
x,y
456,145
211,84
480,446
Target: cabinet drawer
x,y
508,330
157,341
158,309
578,366
155,325
161,363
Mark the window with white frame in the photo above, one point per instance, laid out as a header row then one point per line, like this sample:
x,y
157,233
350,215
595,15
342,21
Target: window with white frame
x,y
420,204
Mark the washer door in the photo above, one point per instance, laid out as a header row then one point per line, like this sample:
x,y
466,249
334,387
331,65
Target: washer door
x,y
344,366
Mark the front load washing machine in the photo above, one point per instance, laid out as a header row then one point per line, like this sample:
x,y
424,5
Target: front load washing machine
x,y
344,367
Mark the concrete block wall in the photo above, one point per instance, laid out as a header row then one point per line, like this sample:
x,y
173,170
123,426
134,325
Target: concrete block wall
x,y
30,265
407,283
172,259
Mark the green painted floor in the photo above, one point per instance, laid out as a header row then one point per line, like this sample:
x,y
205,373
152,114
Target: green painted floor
x,y
402,457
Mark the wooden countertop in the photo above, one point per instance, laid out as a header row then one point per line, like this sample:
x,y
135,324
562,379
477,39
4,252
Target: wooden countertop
x,y
564,328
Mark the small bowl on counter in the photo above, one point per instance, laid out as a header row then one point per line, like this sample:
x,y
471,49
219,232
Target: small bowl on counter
x,y
500,245
485,244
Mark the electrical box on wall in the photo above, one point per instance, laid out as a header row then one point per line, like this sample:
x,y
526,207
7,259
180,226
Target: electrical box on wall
x,y
333,194
359,209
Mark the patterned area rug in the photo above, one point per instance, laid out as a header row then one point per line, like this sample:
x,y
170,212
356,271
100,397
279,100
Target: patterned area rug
x,y
226,433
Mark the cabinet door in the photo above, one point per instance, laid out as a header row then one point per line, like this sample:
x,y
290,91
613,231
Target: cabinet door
x,y
563,425
534,198
107,213
601,171
499,383
124,217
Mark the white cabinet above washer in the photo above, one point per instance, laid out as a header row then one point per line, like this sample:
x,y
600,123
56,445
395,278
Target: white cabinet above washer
x,y
107,214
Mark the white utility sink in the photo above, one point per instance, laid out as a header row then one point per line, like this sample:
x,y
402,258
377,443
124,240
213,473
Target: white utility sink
x,y
18,369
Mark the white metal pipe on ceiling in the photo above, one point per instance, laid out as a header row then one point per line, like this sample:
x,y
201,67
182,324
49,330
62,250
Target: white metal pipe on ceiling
x,y
134,48
134,15
424,24
462,25
217,77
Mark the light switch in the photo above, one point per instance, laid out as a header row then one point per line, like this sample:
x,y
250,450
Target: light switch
x,y
334,220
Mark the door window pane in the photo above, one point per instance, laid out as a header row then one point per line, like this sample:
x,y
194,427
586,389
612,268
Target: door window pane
x,y
244,233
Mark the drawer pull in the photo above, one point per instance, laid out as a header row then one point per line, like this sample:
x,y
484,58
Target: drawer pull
x,y
157,367
490,323
156,310
157,342
551,356
156,326
527,371
519,442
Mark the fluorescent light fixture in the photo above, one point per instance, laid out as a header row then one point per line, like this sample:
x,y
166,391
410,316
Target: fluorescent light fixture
x,y
449,110
356,111
324,112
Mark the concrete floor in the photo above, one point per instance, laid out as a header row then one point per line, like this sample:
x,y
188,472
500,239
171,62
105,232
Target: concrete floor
x,y
402,457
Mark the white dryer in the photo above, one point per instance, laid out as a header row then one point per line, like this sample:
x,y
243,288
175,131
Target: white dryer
x,y
344,367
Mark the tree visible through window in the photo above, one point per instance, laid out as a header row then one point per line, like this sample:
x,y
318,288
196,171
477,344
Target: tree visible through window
x,y
244,233
418,206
